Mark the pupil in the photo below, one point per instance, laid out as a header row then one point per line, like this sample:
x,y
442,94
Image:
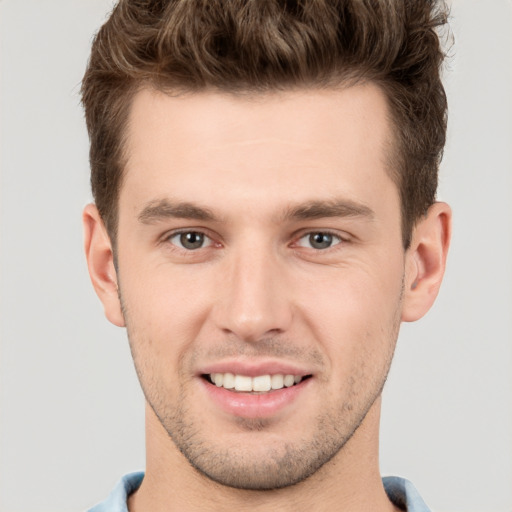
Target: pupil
x,y
320,240
192,240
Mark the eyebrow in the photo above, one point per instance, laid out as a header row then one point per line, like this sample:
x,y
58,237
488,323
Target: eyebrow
x,y
162,209
332,208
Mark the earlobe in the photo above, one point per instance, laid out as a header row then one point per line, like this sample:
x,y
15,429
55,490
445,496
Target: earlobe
x,y
100,261
426,261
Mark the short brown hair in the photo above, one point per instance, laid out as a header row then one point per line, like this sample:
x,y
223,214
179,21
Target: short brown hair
x,y
266,45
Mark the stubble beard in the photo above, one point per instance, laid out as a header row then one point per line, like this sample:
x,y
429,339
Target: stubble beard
x,y
291,463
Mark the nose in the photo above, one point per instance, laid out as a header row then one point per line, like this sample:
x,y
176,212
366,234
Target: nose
x,y
254,299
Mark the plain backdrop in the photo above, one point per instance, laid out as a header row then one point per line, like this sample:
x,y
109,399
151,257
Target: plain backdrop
x,y
71,412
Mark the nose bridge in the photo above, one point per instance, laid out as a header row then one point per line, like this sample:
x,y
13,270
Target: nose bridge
x,y
255,301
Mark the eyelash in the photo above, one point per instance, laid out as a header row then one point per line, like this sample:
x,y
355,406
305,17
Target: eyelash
x,y
339,240
174,234
337,236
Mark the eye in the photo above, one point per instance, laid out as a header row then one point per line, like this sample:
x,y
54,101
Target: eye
x,y
319,240
190,240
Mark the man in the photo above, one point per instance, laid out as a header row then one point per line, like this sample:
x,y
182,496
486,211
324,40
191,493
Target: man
x,y
264,176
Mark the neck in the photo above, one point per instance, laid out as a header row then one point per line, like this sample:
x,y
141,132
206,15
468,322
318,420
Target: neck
x,y
349,481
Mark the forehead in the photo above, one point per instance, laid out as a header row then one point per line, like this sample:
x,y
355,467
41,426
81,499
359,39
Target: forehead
x,y
304,144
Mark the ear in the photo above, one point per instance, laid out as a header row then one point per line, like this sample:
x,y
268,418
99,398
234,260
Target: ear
x,y
100,261
426,261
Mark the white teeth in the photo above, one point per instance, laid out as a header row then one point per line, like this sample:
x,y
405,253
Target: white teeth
x,y
243,383
289,380
277,381
260,383
229,381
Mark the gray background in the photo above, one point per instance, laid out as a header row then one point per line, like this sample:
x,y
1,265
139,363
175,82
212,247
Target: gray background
x,y
71,413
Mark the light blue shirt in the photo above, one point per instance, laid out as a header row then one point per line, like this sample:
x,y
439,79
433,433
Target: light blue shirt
x,y
400,491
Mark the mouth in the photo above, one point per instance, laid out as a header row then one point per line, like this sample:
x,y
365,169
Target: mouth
x,y
257,390
259,384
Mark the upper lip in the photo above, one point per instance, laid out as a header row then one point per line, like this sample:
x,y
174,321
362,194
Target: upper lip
x,y
254,368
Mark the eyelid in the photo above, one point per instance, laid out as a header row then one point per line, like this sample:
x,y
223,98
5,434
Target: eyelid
x,y
213,240
306,233
209,240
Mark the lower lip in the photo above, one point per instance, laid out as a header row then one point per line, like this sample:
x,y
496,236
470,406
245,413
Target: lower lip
x,y
247,405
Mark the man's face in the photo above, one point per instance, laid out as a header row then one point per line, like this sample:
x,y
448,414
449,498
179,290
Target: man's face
x,y
259,245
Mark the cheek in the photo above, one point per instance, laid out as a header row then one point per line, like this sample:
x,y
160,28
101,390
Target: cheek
x,y
159,331
163,311
352,294
354,311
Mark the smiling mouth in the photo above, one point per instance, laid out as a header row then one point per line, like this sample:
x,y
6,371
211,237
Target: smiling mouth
x,y
259,384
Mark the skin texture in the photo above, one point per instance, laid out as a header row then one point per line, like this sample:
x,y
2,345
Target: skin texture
x,y
256,176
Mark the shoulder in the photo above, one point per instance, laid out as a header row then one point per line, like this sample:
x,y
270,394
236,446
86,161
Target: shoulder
x,y
116,501
403,494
